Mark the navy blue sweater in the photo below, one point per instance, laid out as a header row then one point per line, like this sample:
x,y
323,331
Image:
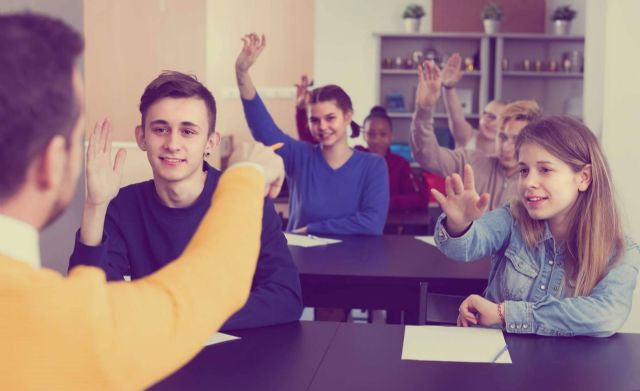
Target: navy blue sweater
x,y
141,235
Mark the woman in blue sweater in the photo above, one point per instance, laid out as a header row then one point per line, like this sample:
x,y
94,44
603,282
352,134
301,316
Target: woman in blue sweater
x,y
334,189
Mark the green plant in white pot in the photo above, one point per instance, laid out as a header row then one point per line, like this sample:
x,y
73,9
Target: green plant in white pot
x,y
412,15
562,18
491,17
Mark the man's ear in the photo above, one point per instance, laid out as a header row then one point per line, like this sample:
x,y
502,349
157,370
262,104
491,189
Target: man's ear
x,y
142,143
52,164
212,142
584,178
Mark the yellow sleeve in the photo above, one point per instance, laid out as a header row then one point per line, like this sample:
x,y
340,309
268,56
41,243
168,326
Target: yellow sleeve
x,y
81,332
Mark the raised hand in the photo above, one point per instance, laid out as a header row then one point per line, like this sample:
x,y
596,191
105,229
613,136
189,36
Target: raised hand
x,y
103,177
476,310
272,164
462,204
429,83
252,46
302,92
451,74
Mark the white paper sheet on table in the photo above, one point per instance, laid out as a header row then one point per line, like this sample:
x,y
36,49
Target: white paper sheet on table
x,y
219,338
308,240
458,344
427,239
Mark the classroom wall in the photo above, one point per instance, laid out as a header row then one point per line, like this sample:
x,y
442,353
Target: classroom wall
x,y
289,28
56,241
621,98
346,48
131,42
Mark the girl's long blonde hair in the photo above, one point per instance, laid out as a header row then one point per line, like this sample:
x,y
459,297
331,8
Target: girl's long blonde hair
x,y
595,230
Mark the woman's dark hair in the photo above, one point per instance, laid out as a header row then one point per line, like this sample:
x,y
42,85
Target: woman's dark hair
x,y
334,93
378,112
172,84
38,100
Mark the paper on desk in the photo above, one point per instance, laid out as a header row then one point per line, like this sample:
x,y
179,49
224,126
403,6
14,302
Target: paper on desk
x,y
427,239
459,344
308,240
219,338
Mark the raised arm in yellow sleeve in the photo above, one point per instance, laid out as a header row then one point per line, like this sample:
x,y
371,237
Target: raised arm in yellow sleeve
x,y
82,333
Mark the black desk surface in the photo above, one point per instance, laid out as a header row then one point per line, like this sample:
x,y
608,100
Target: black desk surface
x,y
341,356
368,357
276,358
388,258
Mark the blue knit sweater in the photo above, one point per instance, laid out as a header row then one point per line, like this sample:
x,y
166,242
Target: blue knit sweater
x,y
354,199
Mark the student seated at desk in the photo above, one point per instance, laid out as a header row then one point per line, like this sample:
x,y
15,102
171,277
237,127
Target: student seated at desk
x,y
334,189
80,332
482,139
560,262
137,230
406,192
496,174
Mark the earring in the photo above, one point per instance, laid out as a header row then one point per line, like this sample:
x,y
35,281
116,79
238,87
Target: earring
x,y
207,154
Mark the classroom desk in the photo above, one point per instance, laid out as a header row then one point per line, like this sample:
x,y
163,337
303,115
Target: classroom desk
x,y
418,223
381,272
367,357
283,357
320,356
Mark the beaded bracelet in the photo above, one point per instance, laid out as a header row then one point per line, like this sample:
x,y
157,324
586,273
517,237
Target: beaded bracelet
x,y
501,313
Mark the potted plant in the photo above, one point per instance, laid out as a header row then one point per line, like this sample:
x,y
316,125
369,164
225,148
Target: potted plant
x,y
562,17
412,15
491,17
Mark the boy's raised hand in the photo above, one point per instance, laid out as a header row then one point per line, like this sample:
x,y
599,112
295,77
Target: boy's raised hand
x,y
103,177
252,46
462,204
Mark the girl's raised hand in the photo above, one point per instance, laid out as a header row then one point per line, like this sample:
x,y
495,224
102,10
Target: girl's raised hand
x,y
252,46
462,204
429,83
302,92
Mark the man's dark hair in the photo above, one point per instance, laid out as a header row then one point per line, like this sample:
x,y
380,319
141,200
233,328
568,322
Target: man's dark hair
x,y
37,99
172,84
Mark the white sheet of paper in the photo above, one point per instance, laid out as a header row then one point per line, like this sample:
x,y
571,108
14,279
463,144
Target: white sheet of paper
x,y
458,344
219,338
308,240
427,239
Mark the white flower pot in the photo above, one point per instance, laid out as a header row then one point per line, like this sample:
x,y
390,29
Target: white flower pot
x,y
491,26
561,27
411,25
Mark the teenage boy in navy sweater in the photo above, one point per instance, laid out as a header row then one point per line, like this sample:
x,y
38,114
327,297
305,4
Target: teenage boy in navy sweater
x,y
136,230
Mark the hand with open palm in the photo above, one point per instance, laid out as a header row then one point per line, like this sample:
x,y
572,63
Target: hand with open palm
x,y
103,177
462,204
452,74
252,46
302,92
429,83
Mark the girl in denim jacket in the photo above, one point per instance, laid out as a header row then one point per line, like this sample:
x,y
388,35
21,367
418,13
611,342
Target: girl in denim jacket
x,y
560,262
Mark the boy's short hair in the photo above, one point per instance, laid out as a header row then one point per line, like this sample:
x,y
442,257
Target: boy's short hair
x,y
172,84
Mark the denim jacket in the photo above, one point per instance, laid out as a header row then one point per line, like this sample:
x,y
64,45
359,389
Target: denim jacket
x,y
536,297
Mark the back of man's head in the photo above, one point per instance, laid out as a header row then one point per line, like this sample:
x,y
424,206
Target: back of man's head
x,y
172,84
37,97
